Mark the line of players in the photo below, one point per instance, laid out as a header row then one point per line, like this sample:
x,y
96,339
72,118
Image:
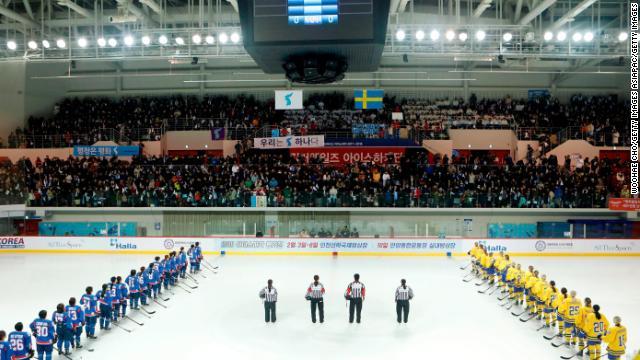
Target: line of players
x,y
105,307
579,323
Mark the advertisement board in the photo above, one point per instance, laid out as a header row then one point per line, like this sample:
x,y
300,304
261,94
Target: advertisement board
x,y
347,155
319,246
624,204
289,142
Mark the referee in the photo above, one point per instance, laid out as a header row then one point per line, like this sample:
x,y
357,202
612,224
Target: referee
x,y
404,293
355,295
269,295
315,294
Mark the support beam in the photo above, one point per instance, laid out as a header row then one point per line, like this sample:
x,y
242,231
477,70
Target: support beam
x,y
27,7
484,5
77,8
141,15
234,4
516,16
153,6
544,5
571,14
393,9
403,6
18,17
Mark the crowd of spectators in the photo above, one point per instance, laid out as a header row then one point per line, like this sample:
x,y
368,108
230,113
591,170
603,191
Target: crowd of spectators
x,y
474,181
598,119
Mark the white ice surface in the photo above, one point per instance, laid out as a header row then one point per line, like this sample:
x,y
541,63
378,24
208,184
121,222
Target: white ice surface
x,y
223,318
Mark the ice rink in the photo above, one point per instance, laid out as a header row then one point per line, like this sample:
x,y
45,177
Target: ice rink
x,y
223,318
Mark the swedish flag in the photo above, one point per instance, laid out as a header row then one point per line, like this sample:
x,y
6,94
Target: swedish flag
x,y
368,99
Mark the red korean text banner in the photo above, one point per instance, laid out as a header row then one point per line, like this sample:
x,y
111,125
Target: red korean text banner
x,y
347,155
624,204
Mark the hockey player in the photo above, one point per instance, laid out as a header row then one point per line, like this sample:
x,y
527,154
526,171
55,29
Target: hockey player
x,y
182,260
528,290
595,327
355,294
5,347
549,299
518,285
76,314
153,276
538,290
90,304
45,333
105,300
165,266
561,309
572,310
581,320
133,283
62,320
199,257
269,295
115,299
315,294
404,293
193,259
123,295
145,287
20,342
616,339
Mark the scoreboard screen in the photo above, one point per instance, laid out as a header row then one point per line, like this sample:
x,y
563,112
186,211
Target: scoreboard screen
x,y
311,20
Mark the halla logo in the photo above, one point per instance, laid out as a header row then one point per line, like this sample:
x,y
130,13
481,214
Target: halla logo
x,y
493,248
122,246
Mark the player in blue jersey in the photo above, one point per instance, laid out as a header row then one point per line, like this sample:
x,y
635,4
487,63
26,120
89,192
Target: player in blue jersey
x,y
90,305
115,302
133,283
155,280
174,267
20,342
199,257
123,295
145,292
64,329
159,267
45,333
193,259
76,313
5,347
106,307
182,260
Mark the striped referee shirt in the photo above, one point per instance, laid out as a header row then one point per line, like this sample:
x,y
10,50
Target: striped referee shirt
x,y
355,290
403,293
269,295
315,291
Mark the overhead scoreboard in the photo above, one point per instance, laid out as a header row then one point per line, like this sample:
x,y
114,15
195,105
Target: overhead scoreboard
x,y
312,12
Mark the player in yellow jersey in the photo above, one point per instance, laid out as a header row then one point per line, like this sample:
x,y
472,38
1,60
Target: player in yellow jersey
x,y
549,298
561,309
510,278
616,339
538,289
491,269
581,322
502,267
528,290
595,326
572,306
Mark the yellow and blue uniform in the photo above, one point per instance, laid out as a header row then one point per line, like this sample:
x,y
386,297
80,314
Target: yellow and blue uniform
x,y
572,306
581,324
616,339
528,290
594,329
550,298
538,289
561,308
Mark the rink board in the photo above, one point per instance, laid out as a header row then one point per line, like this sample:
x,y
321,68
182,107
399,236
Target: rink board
x,y
320,247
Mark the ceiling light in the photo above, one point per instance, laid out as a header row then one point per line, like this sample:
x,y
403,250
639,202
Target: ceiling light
x,y
82,42
128,40
419,35
196,39
623,36
450,35
577,37
210,39
163,40
179,41
223,38
11,45
561,36
400,35
112,42
32,45
507,36
463,36
548,36
61,44
434,35
46,44
146,40
588,36
480,35
102,42
235,38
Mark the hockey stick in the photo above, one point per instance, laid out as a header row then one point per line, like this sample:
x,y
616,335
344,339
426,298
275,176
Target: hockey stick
x,y
574,355
542,327
504,297
485,290
159,303
147,311
558,344
132,319
551,337
122,327
183,288
494,290
62,353
191,277
529,318
469,279
144,314
520,314
189,285
482,282
462,268
208,263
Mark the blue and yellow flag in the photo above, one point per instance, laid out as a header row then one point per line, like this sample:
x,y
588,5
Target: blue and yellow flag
x,y
368,99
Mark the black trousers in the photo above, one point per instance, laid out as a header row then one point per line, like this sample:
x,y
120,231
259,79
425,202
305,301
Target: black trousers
x,y
319,303
402,307
269,311
355,305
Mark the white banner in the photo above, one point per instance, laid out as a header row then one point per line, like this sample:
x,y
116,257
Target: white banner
x,y
300,246
289,100
289,142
